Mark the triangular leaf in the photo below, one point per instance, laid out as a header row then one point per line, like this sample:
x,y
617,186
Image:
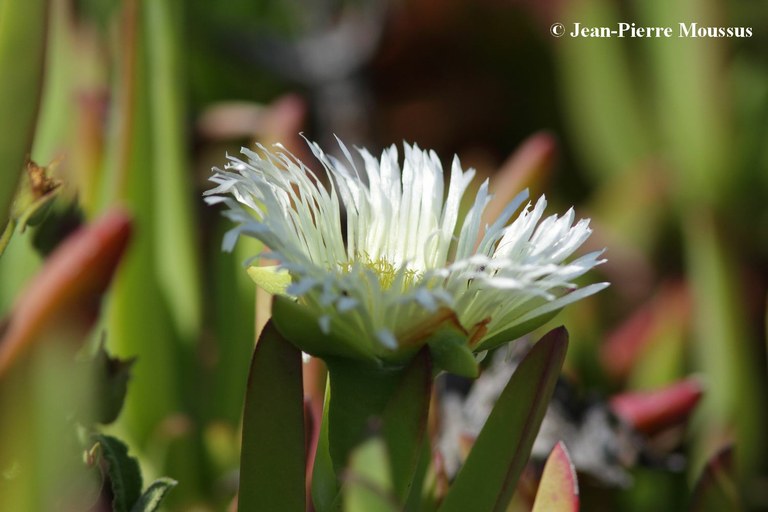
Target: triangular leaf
x,y
273,457
489,476
516,331
558,489
325,488
405,424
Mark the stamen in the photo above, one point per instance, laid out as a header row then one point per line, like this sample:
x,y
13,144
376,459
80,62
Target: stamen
x,y
385,270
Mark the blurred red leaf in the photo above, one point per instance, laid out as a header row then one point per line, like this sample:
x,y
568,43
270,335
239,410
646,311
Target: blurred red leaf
x,y
652,411
64,296
626,344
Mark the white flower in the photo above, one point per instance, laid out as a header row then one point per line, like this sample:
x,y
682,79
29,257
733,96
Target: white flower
x,y
374,253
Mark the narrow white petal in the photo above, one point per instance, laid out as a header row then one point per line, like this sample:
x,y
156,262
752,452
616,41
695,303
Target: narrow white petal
x,y
389,268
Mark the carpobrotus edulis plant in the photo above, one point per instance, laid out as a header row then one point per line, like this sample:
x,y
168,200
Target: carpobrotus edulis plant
x,y
379,255
381,275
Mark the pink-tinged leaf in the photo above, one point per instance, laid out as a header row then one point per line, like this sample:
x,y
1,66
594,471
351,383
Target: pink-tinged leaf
x,y
716,489
627,344
652,411
489,476
623,346
558,489
65,295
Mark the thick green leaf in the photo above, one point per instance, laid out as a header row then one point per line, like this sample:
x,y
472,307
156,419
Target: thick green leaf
x,y
176,253
724,345
691,117
516,331
6,234
325,488
405,424
41,465
152,498
273,458
123,472
489,476
23,28
136,316
419,499
600,98
231,307
716,489
558,489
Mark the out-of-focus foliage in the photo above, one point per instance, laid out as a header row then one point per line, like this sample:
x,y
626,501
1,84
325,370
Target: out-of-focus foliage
x,y
661,141
57,391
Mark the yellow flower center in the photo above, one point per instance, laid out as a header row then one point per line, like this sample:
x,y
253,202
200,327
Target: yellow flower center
x,y
384,269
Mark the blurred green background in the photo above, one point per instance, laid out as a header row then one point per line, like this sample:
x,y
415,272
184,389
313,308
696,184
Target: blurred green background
x,y
662,142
